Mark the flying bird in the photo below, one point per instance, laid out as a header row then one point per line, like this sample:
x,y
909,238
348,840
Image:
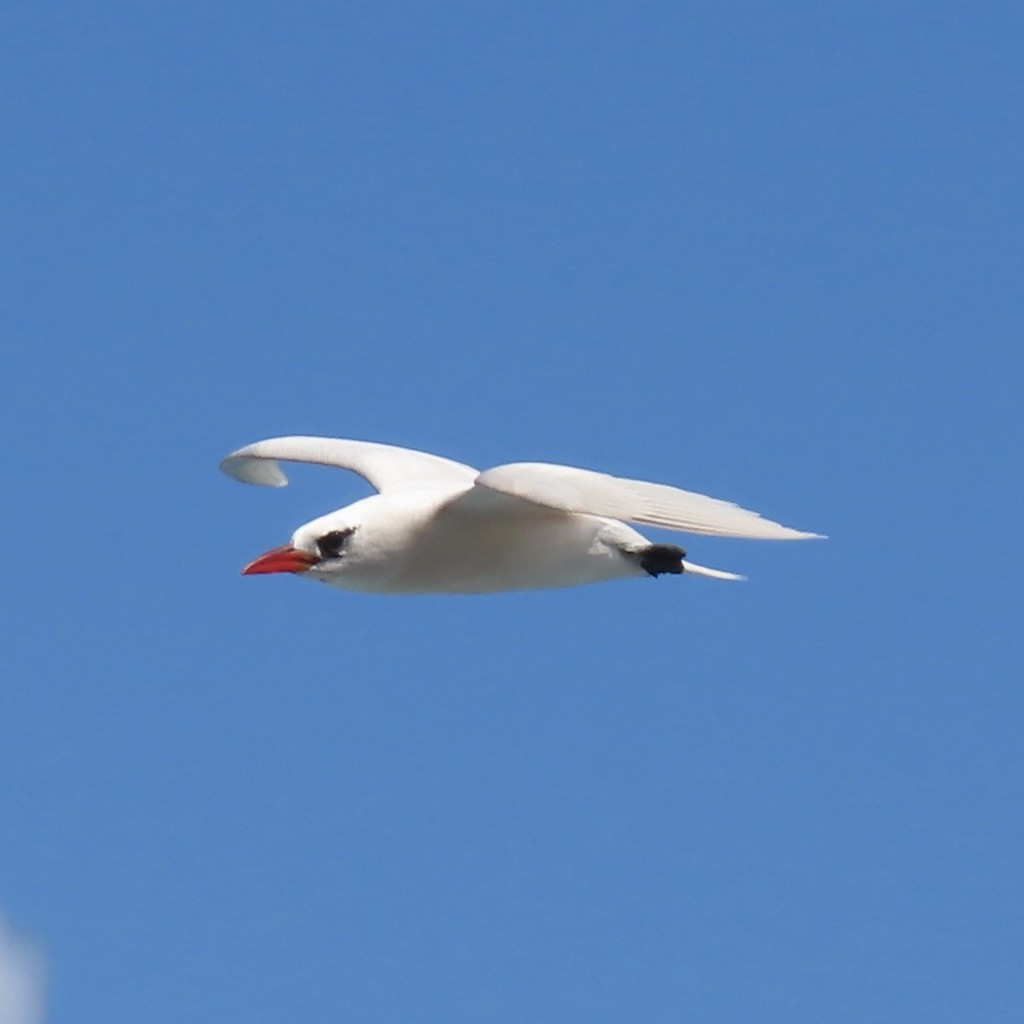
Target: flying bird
x,y
441,527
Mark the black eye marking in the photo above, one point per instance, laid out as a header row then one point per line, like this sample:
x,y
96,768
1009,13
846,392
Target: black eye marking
x,y
330,544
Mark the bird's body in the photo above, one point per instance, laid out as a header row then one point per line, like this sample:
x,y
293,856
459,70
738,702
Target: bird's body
x,y
428,542
439,526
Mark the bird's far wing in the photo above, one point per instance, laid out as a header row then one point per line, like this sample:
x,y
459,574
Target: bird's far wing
x,y
385,466
582,490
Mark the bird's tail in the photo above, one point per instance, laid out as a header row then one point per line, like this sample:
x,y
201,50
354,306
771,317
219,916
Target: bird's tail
x,y
715,574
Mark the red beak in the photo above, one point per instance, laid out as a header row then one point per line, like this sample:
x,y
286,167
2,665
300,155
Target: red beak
x,y
282,559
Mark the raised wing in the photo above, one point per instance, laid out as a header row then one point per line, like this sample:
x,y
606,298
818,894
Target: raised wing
x,y
582,490
385,466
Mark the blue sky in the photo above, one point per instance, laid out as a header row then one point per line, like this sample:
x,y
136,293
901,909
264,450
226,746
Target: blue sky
x,y
769,253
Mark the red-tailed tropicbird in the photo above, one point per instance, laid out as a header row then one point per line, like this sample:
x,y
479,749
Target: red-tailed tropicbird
x,y
438,526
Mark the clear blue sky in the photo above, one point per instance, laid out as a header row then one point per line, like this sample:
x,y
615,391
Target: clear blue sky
x,y
770,252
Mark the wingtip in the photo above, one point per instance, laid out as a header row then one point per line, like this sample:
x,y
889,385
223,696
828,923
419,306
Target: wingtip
x,y
249,470
776,531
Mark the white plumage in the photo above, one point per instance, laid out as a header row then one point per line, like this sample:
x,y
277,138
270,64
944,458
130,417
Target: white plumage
x,y
439,526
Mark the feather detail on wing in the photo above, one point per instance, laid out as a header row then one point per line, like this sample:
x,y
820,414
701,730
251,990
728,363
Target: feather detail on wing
x,y
637,501
385,466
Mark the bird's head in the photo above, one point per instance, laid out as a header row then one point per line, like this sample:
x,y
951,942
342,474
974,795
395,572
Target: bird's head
x,y
319,546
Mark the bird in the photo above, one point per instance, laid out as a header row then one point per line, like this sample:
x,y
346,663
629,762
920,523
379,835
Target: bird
x,y
437,526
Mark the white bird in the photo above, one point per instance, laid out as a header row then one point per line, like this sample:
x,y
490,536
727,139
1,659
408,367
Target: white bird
x,y
438,526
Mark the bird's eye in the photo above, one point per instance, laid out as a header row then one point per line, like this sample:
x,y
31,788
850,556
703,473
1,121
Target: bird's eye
x,y
330,544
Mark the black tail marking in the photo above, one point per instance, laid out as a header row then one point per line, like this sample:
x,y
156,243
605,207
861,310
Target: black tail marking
x,y
662,558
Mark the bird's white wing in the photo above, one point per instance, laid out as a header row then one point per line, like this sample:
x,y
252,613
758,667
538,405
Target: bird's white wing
x,y
385,466
582,490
